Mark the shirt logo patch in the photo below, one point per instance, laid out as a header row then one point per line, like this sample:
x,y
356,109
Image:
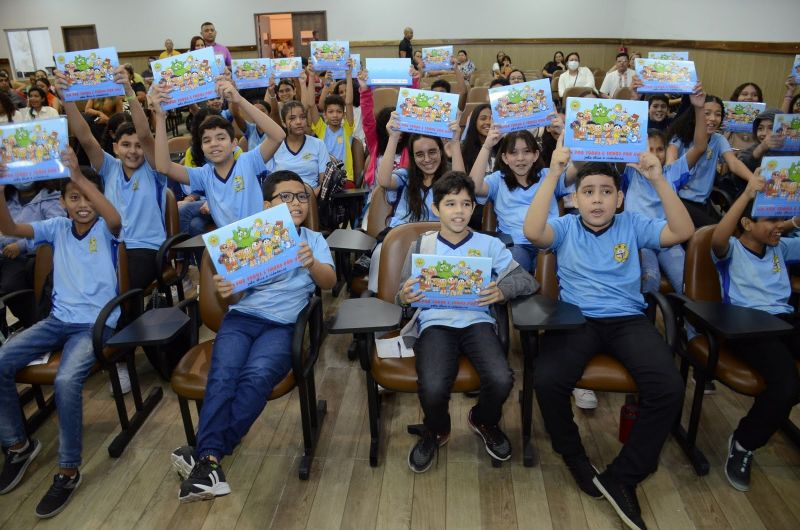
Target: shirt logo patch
x,y
238,183
776,263
136,184
474,252
621,253
92,245
307,156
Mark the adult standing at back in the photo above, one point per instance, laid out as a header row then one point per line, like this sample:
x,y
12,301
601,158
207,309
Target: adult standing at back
x,y
169,50
405,49
621,77
209,34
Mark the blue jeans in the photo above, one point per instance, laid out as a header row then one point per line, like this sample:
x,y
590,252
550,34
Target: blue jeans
x,y
77,358
191,220
670,260
525,255
251,355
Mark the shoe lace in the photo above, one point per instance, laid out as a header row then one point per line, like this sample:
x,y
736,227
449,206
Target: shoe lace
x,y
59,485
747,458
202,469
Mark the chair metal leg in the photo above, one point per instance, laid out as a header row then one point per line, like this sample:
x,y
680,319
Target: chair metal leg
x,y
688,439
312,413
530,345
374,409
44,407
188,426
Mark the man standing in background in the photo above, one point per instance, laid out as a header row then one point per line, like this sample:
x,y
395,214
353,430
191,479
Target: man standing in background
x,y
209,34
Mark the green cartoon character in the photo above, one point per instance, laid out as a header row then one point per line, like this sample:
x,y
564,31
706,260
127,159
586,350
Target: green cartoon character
x,y
81,63
514,96
243,237
738,109
22,137
794,172
422,101
444,269
178,67
600,114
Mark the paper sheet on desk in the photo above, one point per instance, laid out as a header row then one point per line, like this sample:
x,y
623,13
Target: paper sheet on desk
x,y
401,346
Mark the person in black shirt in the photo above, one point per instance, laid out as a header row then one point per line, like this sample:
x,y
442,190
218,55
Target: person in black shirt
x,y
405,49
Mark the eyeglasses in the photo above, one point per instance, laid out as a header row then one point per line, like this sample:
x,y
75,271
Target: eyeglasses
x,y
430,155
288,196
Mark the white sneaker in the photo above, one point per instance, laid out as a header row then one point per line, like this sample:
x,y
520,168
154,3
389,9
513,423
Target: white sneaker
x,y
124,379
585,399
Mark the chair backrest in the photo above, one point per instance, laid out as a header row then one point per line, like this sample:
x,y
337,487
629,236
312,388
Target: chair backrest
x,y
577,92
598,80
625,92
478,94
384,97
378,212
312,219
546,274
554,81
469,108
393,256
700,277
179,144
212,307
489,219
171,218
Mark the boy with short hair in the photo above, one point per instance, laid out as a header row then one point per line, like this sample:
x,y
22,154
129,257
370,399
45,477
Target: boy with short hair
x,y
445,333
252,350
230,185
84,280
598,270
658,112
753,273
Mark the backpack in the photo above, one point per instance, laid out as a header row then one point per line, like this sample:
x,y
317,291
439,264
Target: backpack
x,y
332,182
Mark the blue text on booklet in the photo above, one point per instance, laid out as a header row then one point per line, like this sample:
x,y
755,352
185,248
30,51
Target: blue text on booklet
x,y
426,112
669,56
287,67
91,73
251,73
605,130
255,248
389,72
450,282
787,126
665,76
437,58
739,115
781,195
329,54
796,69
521,106
190,77
342,73
31,150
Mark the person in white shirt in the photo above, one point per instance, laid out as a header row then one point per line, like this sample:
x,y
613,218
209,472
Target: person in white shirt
x,y
621,77
576,75
37,108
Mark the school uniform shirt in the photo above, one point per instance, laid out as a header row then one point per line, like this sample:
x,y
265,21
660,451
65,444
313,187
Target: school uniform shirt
x,y
337,143
641,196
759,282
44,205
235,196
402,214
511,206
281,298
699,186
140,201
188,161
84,269
308,161
254,138
599,271
475,245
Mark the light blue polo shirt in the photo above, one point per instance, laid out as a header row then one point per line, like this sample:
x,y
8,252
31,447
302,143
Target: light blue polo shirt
x,y
235,196
759,282
140,201
334,142
308,162
599,271
402,215
641,196
84,269
475,244
281,298
254,139
699,186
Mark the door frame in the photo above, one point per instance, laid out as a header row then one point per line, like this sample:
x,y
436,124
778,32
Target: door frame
x,y
259,44
64,37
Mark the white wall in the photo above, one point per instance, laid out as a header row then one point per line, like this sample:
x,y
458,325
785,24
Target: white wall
x,y
131,25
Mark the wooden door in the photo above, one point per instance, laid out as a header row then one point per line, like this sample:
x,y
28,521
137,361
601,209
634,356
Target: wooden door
x,y
308,21
78,38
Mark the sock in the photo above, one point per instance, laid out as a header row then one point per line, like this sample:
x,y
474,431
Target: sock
x,y
23,448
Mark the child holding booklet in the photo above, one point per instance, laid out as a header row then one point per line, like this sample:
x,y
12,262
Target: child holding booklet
x,y
445,333
252,350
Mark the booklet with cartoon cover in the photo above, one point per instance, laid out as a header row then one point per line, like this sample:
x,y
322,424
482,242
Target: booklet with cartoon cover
x,y
781,195
255,248
251,73
796,69
31,150
739,115
342,73
329,54
665,76
287,67
787,126
437,58
669,56
91,73
605,130
388,72
521,106
450,282
190,77
426,111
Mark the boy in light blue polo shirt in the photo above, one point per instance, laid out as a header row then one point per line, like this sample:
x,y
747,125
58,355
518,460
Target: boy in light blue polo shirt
x,y
252,350
598,270
230,185
84,280
446,333
753,273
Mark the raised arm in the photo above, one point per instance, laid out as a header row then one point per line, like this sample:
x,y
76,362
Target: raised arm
x,y
700,141
385,176
535,227
454,146
461,85
102,205
137,115
274,132
164,165
737,167
326,90
348,94
241,123
307,96
78,125
478,171
791,85
7,225
727,226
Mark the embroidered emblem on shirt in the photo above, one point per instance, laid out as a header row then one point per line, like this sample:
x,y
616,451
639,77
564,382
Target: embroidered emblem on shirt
x,y
709,152
92,245
474,252
136,184
238,183
776,263
621,252
307,156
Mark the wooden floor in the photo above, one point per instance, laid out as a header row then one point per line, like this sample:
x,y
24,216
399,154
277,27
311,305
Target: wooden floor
x,y
139,490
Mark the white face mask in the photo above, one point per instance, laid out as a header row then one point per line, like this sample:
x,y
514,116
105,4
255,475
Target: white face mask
x,y
573,65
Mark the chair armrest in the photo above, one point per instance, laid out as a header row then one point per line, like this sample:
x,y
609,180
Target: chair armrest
x,y
16,294
501,317
163,254
105,313
539,312
346,240
310,317
667,311
735,322
365,315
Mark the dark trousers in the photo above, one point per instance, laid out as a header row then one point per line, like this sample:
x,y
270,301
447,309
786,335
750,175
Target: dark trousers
x,y
142,269
773,358
635,343
701,213
16,274
437,351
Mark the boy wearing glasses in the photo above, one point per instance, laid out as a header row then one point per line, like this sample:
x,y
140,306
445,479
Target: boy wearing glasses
x,y
252,350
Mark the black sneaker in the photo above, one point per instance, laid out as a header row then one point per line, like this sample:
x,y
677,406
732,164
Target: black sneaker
x,y
57,497
183,460
16,464
420,458
737,468
584,472
205,482
623,498
497,443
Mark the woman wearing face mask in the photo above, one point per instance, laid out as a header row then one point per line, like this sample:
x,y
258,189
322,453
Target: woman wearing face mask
x,y
576,75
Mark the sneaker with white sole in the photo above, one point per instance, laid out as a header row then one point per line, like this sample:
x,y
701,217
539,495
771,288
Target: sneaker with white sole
x,y
124,379
17,463
585,399
183,460
738,465
623,499
59,494
495,441
205,482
